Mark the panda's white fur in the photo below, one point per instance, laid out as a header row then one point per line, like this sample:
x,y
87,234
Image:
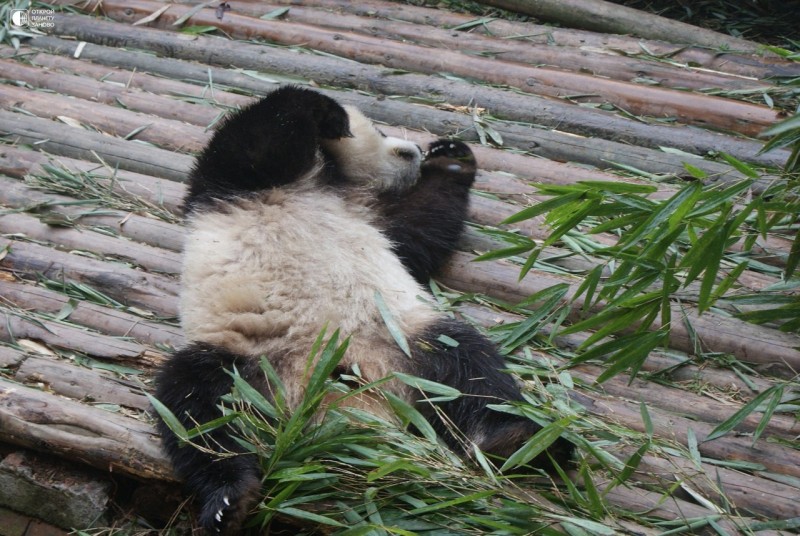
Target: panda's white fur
x,y
300,213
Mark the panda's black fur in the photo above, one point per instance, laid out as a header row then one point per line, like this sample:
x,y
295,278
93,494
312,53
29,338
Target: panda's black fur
x,y
299,210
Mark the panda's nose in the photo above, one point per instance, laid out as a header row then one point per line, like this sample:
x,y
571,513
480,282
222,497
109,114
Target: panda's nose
x,y
407,153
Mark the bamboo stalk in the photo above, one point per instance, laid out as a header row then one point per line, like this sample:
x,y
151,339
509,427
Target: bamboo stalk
x,y
775,458
639,100
747,493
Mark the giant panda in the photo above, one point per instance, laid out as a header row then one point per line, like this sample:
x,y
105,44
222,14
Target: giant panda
x,y
299,211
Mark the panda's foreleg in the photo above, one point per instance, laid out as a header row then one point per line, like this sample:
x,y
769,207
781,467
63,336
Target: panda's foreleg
x,y
190,384
468,361
425,222
271,143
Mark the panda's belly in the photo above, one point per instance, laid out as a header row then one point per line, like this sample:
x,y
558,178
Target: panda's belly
x,y
266,277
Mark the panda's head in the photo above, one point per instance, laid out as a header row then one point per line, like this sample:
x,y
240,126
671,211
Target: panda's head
x,y
370,159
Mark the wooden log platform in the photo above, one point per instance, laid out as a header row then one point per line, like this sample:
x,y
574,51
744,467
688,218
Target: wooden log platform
x,y
100,118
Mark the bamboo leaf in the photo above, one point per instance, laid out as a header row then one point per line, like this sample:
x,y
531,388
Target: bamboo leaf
x,y
768,411
168,417
543,207
391,324
536,445
737,418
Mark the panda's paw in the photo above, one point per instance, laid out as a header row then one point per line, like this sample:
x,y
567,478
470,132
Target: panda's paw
x,y
331,119
224,510
450,159
451,149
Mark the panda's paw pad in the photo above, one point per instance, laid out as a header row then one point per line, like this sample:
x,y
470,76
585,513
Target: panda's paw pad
x,y
452,149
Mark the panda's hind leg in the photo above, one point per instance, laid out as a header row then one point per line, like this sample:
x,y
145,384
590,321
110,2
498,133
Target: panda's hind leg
x,y
224,479
473,365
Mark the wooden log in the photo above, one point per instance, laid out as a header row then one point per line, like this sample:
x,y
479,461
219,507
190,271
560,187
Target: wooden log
x,y
549,144
76,431
755,65
10,358
126,285
691,108
76,143
103,319
70,238
113,120
150,231
608,17
747,493
504,104
655,504
673,367
751,343
601,63
666,425
14,326
18,162
82,384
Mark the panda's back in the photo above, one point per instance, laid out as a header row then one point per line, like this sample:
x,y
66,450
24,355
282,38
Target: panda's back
x,y
264,275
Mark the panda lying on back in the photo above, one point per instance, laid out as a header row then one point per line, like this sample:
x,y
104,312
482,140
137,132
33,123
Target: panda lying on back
x,y
299,211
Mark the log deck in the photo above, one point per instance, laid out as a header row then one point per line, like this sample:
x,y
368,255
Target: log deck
x,y
101,118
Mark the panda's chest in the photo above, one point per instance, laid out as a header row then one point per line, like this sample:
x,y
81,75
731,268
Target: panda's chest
x,y
310,262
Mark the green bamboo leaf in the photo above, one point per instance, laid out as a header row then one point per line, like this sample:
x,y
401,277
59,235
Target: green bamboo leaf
x,y
713,257
595,502
445,392
794,258
632,463
737,418
543,207
169,418
695,171
768,411
536,445
505,252
648,422
786,125
472,497
619,187
578,213
660,215
589,285
592,526
253,396
633,356
391,324
409,414
529,262
740,166
309,516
